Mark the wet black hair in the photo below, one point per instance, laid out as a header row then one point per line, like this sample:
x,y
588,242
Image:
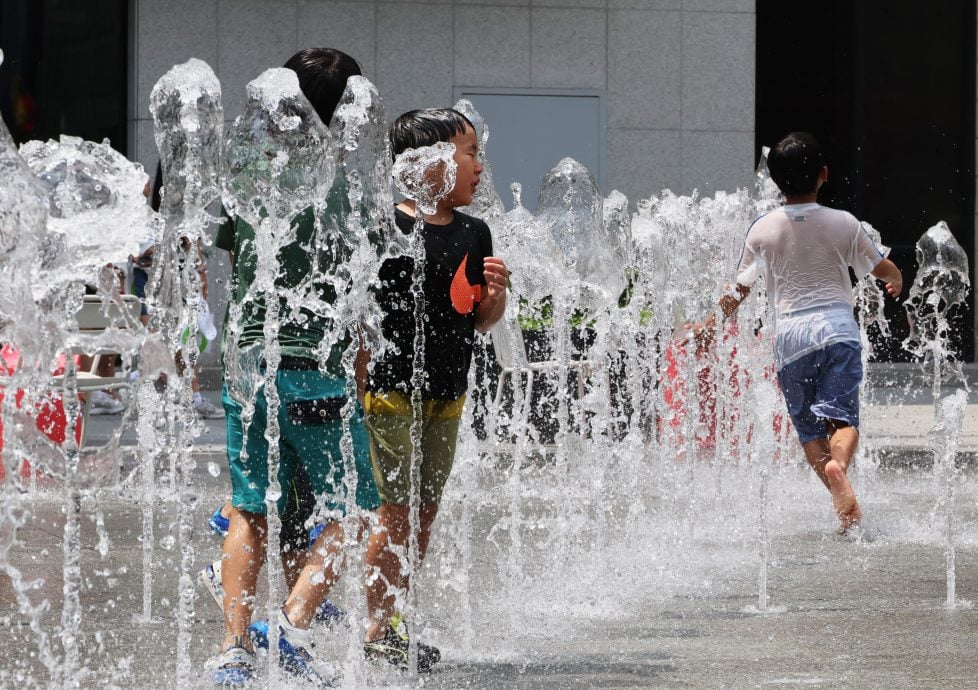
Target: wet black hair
x,y
417,128
795,163
322,77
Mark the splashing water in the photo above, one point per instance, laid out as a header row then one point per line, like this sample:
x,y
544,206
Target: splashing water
x,y
616,480
96,208
426,174
188,127
486,203
279,163
944,439
942,283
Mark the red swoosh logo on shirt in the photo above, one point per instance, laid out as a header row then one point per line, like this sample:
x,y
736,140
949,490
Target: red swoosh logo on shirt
x,y
463,294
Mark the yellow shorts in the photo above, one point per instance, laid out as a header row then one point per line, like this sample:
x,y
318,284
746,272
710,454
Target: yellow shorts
x,y
388,421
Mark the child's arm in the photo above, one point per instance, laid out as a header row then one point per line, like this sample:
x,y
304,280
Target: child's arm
x,y
493,302
888,272
703,332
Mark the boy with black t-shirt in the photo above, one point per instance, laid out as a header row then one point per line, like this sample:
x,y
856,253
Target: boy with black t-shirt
x,y
464,290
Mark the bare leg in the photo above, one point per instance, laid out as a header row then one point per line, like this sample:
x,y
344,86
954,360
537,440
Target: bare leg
x,y
293,561
384,565
244,554
323,560
818,453
830,458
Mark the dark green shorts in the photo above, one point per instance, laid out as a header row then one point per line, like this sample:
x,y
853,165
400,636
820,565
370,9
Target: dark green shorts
x,y
389,418
310,437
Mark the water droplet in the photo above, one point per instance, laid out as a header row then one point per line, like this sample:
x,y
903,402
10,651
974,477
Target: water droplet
x,y
214,469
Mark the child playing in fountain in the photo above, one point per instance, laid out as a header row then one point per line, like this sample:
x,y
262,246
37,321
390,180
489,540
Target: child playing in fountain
x,y
804,252
311,395
464,291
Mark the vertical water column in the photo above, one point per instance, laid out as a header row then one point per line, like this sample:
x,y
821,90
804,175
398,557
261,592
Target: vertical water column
x,y
869,304
520,239
944,440
425,174
357,243
570,206
94,197
23,219
941,285
279,161
189,123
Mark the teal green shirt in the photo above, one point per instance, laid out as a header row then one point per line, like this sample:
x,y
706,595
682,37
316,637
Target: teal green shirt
x,y
300,262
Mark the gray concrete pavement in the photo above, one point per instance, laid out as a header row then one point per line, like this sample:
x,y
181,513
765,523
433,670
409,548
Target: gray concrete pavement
x,y
618,570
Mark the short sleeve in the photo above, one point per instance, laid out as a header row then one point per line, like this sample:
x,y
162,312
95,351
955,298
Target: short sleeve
x,y
748,268
485,246
863,252
485,239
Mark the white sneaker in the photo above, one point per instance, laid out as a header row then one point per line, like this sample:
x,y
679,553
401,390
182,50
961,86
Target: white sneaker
x,y
295,658
207,410
210,578
103,403
232,668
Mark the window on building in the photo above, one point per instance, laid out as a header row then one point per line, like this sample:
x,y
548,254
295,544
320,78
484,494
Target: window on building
x,y
531,130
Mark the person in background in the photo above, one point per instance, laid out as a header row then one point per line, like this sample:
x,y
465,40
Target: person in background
x,y
804,252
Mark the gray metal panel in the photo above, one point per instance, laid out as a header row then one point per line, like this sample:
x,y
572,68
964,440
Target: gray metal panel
x,y
530,130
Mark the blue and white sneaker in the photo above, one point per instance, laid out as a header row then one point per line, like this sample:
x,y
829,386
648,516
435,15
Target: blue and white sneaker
x,y
232,668
258,633
296,660
315,532
218,523
210,579
294,657
329,614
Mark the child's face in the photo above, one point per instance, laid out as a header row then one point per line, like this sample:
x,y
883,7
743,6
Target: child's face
x,y
469,168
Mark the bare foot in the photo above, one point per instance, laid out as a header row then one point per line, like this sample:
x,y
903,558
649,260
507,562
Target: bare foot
x,y
850,520
843,497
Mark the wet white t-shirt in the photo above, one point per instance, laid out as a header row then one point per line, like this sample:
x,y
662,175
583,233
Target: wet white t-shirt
x,y
804,253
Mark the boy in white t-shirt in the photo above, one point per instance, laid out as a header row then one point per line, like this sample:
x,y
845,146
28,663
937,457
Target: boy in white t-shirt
x,y
804,252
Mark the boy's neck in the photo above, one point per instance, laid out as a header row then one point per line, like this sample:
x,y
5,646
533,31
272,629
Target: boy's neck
x,y
443,215
797,199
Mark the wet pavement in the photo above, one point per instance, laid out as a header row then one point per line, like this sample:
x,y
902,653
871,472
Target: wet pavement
x,y
636,575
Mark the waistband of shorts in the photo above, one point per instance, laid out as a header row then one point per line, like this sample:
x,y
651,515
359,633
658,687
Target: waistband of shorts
x,y
399,404
290,363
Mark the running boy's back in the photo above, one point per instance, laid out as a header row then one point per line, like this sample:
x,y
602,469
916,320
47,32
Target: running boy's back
x,y
808,249
804,252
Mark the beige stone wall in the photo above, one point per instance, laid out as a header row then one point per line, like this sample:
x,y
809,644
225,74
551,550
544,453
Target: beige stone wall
x,y
678,74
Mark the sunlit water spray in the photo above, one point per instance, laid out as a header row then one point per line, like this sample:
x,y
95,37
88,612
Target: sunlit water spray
x,y
427,175
636,487
942,283
279,163
189,123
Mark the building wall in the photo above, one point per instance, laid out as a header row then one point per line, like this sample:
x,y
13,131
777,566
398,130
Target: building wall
x,y
679,74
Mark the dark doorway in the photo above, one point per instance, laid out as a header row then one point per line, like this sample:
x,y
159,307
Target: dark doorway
x,y
889,90
65,69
